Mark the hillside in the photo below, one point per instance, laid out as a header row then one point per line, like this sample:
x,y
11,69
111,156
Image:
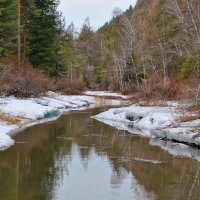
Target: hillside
x,y
151,50
155,48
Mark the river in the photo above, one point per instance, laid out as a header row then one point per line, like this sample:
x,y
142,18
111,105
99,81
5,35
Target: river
x,y
79,158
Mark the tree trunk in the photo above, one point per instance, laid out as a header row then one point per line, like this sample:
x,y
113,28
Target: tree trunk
x,y
19,35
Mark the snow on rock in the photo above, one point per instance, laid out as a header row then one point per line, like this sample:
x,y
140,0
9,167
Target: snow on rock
x,y
53,103
183,134
71,100
141,117
154,121
5,140
24,108
177,149
105,94
194,123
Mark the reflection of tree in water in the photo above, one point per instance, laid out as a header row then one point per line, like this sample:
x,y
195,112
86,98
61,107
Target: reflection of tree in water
x,y
129,154
38,166
35,168
117,177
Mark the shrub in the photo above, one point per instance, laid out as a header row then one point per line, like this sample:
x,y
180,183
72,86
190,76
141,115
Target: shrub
x,y
66,86
24,82
157,90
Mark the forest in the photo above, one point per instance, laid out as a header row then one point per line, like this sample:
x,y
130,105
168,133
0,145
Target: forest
x,y
151,50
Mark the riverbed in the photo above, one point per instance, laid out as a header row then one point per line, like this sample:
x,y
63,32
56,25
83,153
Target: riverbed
x,y
79,158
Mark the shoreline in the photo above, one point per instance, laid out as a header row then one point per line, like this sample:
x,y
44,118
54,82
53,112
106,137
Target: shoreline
x,y
163,123
159,122
19,114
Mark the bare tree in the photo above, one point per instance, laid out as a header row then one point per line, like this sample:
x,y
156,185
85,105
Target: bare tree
x,y
188,16
127,44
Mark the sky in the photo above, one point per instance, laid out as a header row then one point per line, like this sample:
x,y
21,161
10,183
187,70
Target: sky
x,y
98,11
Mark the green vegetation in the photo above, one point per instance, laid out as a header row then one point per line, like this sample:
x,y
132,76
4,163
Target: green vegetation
x,y
8,26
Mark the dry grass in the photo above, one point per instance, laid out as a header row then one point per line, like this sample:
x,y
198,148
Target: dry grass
x,y
10,120
154,103
188,118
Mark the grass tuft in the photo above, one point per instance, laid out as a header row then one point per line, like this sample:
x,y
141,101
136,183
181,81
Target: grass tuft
x,y
10,120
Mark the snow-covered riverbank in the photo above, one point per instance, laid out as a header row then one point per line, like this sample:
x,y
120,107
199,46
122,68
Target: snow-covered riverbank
x,y
16,114
150,121
154,121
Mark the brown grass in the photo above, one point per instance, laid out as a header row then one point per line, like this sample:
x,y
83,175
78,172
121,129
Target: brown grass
x,y
188,118
68,87
155,103
10,120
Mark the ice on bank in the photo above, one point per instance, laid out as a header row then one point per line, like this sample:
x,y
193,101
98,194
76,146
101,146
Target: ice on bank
x,y
154,121
30,110
105,94
5,140
177,149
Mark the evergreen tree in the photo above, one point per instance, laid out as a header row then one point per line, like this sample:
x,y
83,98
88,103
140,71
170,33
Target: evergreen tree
x,y
8,26
43,31
27,8
60,67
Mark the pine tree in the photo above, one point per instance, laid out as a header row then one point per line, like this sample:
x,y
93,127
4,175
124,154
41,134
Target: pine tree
x,y
8,26
42,33
27,7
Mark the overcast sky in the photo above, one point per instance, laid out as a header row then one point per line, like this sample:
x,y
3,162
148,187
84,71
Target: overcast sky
x,y
99,11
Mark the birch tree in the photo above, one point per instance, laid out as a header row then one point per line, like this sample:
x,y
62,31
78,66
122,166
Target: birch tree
x,y
127,41
188,16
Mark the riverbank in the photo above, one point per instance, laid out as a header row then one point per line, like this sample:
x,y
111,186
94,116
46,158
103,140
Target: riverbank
x,y
16,114
166,121
169,121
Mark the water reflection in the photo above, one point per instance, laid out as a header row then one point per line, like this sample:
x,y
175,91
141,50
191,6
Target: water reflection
x,y
177,149
76,157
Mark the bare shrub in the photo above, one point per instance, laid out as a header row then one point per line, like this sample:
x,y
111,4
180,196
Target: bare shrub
x,y
191,90
129,91
188,118
24,82
156,90
68,87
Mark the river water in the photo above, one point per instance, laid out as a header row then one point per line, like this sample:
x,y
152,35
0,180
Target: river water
x,y
79,158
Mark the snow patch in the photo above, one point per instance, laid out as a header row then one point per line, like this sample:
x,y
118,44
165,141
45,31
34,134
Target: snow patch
x,y
5,140
154,121
105,94
36,110
177,149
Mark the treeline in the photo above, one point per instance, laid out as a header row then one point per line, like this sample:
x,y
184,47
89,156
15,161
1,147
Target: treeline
x,y
152,49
